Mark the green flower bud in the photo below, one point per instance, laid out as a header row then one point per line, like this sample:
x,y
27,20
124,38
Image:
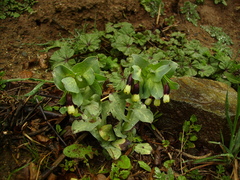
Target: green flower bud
x,y
148,101
157,102
135,97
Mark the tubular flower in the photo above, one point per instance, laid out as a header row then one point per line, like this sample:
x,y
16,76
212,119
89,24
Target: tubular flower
x,y
127,88
70,106
135,96
166,92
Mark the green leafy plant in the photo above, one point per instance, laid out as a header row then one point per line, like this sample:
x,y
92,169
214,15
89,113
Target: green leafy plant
x,y
144,166
189,9
13,8
153,6
78,151
121,168
195,174
82,84
146,73
199,1
188,136
220,1
159,175
69,165
218,33
230,155
221,172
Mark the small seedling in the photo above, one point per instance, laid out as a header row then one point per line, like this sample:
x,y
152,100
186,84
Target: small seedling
x,y
121,169
159,175
188,136
13,8
189,9
152,6
220,1
69,165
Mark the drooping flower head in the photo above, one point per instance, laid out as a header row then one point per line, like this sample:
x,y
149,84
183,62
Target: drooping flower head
x,y
166,92
127,88
135,93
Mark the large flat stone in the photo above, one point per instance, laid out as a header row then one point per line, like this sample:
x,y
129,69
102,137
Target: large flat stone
x,y
204,98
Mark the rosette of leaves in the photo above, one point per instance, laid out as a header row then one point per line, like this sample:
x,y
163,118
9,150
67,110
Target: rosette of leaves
x,y
81,80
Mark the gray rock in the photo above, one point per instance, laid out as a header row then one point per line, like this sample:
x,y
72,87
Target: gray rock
x,y
204,98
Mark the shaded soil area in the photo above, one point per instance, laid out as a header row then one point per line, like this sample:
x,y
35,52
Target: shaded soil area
x,y
21,56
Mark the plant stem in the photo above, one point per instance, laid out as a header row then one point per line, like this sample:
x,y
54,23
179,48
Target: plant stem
x,y
159,14
25,79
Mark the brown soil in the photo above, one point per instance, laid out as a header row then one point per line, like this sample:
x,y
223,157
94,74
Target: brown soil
x,y
52,20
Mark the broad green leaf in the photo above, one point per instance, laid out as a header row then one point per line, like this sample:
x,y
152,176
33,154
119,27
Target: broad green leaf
x,y
59,73
118,130
128,125
106,132
160,72
77,98
92,109
143,148
172,84
79,151
105,110
86,64
140,61
84,125
70,84
81,82
89,42
96,88
169,65
62,54
145,166
124,43
114,152
156,90
142,113
136,73
117,106
89,76
124,162
146,88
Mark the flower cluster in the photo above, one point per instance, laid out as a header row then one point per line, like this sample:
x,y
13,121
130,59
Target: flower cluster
x,y
134,90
